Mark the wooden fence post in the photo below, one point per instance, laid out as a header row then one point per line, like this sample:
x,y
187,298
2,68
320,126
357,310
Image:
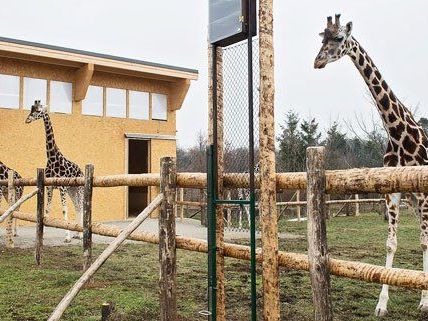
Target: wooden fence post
x,y
87,216
203,208
167,247
182,206
220,289
317,235
40,213
299,208
10,243
357,205
267,202
228,209
105,311
327,206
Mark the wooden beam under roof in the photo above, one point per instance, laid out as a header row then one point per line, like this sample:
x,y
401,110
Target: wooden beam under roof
x,y
82,81
177,93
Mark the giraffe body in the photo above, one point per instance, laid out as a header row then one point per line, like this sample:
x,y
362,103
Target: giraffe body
x,y
407,142
58,166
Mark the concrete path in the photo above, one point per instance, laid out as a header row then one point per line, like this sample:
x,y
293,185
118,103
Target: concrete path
x,y
187,227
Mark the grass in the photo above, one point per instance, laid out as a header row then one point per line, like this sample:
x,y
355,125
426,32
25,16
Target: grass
x,y
129,278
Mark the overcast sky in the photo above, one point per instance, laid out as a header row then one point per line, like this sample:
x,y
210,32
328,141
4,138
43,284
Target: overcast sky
x,y
173,32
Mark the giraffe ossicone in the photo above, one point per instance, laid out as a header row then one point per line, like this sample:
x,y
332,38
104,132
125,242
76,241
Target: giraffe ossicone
x,y
58,166
407,141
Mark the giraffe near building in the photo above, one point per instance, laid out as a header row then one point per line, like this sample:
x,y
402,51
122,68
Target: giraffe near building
x,y
407,142
58,166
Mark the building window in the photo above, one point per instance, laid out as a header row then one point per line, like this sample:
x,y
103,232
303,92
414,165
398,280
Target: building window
x,y
61,97
159,107
116,102
34,89
93,102
9,91
138,105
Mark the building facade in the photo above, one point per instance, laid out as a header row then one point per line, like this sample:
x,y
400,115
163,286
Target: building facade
x,y
115,113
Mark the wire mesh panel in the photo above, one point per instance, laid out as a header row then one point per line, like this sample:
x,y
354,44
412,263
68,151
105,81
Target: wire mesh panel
x,y
236,124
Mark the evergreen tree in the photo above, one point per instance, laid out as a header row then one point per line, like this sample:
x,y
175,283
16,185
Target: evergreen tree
x,y
336,148
309,133
290,145
424,123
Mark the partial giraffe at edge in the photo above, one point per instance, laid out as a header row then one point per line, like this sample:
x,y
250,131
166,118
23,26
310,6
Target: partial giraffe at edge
x,y
19,190
407,142
58,166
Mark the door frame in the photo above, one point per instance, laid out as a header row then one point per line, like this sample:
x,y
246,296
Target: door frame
x,y
149,168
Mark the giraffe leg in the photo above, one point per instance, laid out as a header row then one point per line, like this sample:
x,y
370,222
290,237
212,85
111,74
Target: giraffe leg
x,y
240,216
1,196
392,203
19,191
422,206
49,193
76,195
15,228
247,211
63,194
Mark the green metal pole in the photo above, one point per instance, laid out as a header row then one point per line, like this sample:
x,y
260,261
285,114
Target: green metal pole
x,y
212,247
251,3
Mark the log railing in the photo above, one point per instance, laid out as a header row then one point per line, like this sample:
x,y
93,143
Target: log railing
x,y
374,180
350,181
295,261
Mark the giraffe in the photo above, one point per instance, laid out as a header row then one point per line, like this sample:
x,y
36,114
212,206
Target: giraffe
x,y
4,174
58,166
407,142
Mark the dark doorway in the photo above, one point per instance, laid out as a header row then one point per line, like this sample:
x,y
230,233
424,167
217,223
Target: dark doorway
x,y
138,163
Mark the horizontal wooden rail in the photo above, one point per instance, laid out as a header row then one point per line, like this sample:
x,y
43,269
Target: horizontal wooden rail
x,y
292,203
351,181
333,202
100,181
193,204
18,203
295,261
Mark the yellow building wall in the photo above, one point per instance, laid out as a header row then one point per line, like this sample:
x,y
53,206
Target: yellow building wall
x,y
82,139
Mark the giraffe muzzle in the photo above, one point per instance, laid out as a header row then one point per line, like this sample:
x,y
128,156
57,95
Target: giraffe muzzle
x,y
319,64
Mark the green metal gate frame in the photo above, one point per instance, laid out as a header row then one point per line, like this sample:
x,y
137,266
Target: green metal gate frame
x,y
212,184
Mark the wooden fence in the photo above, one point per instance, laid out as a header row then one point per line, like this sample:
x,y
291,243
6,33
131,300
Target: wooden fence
x,y
318,182
183,205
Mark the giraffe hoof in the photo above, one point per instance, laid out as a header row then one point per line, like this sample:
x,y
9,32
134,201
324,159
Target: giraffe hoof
x,y
77,236
381,312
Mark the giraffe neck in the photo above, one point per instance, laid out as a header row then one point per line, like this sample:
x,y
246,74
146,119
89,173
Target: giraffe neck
x,y
52,150
392,111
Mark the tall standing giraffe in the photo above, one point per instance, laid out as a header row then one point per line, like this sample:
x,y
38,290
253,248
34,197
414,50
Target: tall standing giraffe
x,y
58,166
407,142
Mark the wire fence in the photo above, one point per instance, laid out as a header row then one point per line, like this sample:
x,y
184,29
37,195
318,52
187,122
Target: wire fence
x,y
236,123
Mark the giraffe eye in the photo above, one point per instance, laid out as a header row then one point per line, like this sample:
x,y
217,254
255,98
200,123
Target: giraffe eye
x,y
338,39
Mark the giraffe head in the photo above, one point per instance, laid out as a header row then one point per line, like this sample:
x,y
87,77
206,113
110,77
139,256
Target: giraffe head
x,y
37,112
334,43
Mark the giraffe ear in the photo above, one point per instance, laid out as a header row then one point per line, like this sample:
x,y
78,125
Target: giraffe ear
x,y
349,28
321,34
